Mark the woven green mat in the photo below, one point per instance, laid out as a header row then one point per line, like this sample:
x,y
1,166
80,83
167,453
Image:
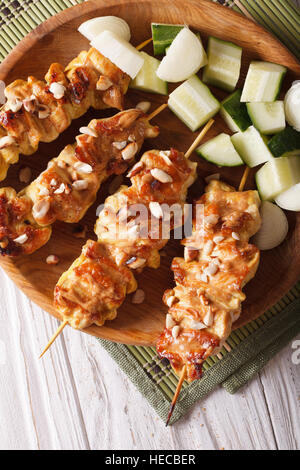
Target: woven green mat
x,y
251,346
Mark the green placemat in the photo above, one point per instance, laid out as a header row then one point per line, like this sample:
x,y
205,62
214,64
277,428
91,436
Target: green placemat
x,y
251,346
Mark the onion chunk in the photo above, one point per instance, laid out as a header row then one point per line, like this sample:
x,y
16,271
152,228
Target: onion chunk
x,y
120,52
274,227
184,57
290,199
92,28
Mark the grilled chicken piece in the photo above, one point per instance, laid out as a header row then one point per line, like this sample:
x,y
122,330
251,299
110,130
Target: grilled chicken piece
x,y
95,282
69,186
38,111
128,237
218,263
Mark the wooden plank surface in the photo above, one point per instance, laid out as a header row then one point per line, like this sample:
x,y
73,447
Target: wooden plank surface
x,y
77,398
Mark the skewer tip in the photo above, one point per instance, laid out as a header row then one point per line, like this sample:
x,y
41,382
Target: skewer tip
x,y
170,414
56,334
176,394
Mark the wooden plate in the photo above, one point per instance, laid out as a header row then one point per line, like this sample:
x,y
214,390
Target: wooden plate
x,y
57,40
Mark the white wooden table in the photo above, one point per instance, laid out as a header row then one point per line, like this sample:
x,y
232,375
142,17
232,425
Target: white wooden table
x,y
77,398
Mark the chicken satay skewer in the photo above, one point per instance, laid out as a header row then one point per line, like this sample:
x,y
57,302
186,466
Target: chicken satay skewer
x,y
188,153
226,345
241,188
38,111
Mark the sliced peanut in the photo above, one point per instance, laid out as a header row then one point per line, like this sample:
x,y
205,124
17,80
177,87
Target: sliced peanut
x,y
129,151
52,259
40,208
82,167
6,141
144,106
57,90
21,239
175,331
80,185
161,175
25,175
88,131
138,297
156,210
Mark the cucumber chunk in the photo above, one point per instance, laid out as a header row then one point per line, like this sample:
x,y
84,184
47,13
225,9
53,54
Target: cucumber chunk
x,y
220,151
163,35
235,113
285,143
277,176
147,80
251,147
263,82
193,103
224,64
268,118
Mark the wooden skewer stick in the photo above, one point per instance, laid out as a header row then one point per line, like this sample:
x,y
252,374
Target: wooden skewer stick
x,y
244,179
143,44
157,111
56,334
198,139
176,394
65,322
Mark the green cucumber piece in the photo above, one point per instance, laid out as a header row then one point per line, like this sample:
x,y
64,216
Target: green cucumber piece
x,y
268,118
251,147
193,103
220,151
163,35
235,113
263,82
224,64
285,143
276,176
147,80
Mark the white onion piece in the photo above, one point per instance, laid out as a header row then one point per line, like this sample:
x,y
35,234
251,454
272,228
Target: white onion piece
x,y
92,28
184,57
120,52
274,227
290,199
292,106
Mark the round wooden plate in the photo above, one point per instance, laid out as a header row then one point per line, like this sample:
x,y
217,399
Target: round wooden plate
x,y
57,40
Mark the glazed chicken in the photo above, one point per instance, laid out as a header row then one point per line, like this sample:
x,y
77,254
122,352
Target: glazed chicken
x,y
218,262
97,283
38,111
68,187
